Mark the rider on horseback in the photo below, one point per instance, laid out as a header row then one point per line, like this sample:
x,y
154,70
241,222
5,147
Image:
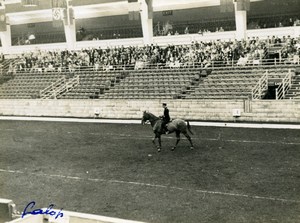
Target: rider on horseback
x,y
165,118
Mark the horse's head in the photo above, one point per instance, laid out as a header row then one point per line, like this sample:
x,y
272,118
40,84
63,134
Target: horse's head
x,y
148,117
145,117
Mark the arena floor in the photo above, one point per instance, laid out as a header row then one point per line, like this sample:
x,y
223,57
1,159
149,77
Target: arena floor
x,y
234,175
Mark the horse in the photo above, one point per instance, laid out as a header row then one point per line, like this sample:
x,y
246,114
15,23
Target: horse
x,y
176,125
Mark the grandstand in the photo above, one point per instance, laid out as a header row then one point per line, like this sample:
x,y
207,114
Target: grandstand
x,y
108,61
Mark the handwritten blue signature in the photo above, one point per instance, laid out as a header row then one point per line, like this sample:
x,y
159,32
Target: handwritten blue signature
x,y
48,211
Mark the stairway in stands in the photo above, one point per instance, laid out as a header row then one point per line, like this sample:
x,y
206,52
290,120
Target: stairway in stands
x,y
294,91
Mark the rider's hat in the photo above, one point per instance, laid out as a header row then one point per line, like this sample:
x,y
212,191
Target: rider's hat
x,y
164,104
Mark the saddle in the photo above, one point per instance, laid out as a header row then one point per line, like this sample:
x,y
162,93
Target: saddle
x,y
158,125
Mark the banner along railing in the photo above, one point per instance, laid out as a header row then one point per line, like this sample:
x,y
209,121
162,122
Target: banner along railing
x,y
284,86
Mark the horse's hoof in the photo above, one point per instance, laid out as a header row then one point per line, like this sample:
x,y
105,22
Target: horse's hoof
x,y
158,150
192,148
173,148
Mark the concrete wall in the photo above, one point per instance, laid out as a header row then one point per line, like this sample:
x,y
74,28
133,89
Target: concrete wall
x,y
206,110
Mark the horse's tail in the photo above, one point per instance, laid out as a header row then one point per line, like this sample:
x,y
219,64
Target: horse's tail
x,y
189,127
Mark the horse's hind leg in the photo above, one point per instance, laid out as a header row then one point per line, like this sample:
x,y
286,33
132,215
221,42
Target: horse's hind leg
x,y
189,138
177,140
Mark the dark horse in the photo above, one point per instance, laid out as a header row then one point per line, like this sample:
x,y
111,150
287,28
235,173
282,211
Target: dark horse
x,y
177,125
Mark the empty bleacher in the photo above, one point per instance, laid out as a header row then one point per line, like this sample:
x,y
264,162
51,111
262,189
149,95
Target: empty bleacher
x,y
184,83
27,85
92,84
275,75
236,83
227,84
154,84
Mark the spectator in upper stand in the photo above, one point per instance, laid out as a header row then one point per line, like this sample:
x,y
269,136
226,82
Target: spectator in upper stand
x,y
291,22
200,32
296,59
1,57
186,30
297,22
10,69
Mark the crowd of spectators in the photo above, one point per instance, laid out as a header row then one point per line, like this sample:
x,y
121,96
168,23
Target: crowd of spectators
x,y
202,54
208,26
273,22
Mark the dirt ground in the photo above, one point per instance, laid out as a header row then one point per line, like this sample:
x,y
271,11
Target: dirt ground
x,y
234,175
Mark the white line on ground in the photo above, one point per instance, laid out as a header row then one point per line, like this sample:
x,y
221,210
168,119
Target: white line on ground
x,y
126,136
156,186
119,121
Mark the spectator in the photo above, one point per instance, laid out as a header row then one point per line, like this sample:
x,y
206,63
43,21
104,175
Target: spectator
x,y
1,58
218,53
186,30
242,61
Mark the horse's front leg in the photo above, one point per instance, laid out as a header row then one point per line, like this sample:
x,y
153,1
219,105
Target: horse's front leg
x,y
159,142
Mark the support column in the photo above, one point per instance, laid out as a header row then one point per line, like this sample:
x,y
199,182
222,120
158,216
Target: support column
x,y
240,23
6,39
70,33
147,24
70,26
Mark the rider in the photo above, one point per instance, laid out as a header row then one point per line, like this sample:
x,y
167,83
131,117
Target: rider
x,y
165,118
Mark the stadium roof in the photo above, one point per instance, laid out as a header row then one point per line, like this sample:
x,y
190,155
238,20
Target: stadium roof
x,y
93,8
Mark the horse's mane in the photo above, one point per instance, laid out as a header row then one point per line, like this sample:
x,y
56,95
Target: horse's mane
x,y
152,115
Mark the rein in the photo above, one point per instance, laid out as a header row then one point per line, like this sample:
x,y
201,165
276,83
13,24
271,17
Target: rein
x,y
152,119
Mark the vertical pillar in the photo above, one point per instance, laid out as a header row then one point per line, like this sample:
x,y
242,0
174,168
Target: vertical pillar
x,y
147,23
240,22
6,38
70,26
70,33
